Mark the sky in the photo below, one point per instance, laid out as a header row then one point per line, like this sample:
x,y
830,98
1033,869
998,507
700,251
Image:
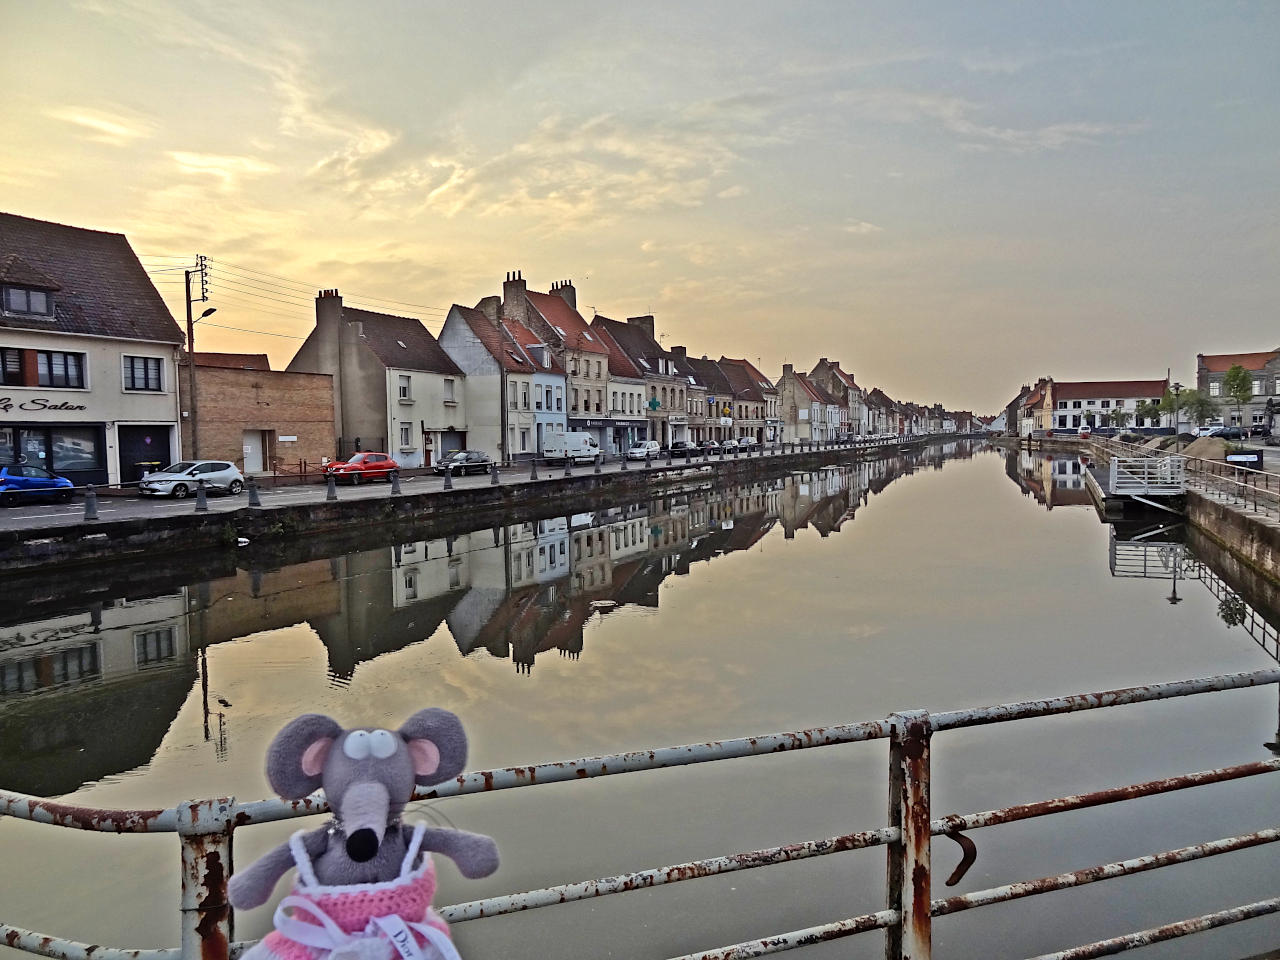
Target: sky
x,y
949,199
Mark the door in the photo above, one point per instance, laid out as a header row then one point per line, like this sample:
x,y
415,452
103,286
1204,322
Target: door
x,y
252,451
142,448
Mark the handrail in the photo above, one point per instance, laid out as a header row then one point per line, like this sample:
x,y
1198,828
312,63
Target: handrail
x,y
205,828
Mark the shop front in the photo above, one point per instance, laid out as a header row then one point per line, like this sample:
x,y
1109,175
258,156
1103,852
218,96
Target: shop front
x,y
599,429
624,433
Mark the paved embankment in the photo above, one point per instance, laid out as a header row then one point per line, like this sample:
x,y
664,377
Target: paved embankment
x,y
130,530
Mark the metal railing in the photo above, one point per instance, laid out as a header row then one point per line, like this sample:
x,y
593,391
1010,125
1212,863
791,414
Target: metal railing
x,y
1148,476
205,829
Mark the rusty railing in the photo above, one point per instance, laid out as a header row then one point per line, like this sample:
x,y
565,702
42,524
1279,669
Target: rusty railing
x,y
205,829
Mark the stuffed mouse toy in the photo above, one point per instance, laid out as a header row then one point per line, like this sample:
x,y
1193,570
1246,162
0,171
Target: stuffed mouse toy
x,y
365,880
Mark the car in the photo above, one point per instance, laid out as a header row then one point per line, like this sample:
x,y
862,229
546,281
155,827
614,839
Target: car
x,y
1206,431
642,449
20,482
708,446
729,446
747,443
1227,433
680,448
179,480
363,466
464,461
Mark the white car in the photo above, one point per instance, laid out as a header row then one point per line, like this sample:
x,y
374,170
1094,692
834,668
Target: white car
x,y
180,480
645,448
747,443
729,446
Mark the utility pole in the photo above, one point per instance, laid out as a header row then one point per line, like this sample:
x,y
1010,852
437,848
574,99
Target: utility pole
x,y
202,270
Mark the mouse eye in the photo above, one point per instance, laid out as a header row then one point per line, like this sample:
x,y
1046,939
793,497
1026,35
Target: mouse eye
x,y
382,743
356,746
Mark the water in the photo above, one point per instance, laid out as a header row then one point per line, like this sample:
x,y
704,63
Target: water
x,y
915,582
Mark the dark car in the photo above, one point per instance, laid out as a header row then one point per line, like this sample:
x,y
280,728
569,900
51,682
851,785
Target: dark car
x,y
20,482
679,448
464,461
707,446
364,466
1228,433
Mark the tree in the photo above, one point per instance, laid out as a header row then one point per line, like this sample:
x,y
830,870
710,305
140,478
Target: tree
x,y
1119,418
1199,407
1238,386
1146,410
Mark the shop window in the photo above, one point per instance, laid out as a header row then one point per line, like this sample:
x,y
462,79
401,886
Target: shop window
x,y
142,373
57,369
76,448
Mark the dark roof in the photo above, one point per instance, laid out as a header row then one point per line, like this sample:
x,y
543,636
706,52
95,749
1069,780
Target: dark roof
x,y
620,364
636,343
763,382
738,373
234,361
402,342
501,346
101,288
568,321
711,376
817,390
527,338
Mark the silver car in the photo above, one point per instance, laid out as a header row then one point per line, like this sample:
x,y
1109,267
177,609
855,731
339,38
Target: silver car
x,y
181,479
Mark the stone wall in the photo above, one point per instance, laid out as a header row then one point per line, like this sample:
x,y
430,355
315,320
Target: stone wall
x,y
1254,542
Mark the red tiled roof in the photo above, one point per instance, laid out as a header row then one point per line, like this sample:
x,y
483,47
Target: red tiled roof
x,y
554,310
763,382
1222,362
234,361
620,364
1110,389
527,338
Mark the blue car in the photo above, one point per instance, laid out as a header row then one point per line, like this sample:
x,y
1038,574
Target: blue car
x,y
20,482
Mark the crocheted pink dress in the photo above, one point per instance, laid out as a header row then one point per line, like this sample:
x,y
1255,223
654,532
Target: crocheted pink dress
x,y
359,921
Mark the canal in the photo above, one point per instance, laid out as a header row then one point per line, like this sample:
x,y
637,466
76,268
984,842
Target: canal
x,y
959,576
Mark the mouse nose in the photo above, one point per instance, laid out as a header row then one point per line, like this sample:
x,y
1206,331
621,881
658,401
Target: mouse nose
x,y
362,845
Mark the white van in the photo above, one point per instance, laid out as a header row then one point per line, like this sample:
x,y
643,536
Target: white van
x,y
580,447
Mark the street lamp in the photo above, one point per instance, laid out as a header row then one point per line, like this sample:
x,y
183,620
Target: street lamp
x,y
1177,428
191,363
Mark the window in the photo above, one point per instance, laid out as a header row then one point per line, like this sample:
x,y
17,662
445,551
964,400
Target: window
x,y
405,381
613,400
142,373
574,408
1215,388
1062,421
448,391
524,440
511,394
1089,403
599,400
153,646
406,435
1278,385
56,369
547,391
599,376
11,367
524,395
32,302
1257,386
1075,404
1106,404
559,398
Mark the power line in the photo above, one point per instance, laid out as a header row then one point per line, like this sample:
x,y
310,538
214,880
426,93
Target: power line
x,y
261,333
222,297
259,285
226,284
307,286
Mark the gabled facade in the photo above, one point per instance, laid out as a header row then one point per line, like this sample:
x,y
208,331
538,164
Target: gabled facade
x,y
554,319
515,387
89,355
721,399
695,397
1264,372
394,388
666,392
839,383
756,401
628,422
809,412
1072,404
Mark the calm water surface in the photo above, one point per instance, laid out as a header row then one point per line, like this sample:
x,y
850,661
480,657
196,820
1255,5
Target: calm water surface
x,y
937,581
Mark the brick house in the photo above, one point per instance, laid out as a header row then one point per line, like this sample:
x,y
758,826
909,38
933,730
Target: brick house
x,y
1264,372
260,419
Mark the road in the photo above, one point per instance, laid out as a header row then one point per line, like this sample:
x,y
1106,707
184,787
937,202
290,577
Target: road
x,y
41,515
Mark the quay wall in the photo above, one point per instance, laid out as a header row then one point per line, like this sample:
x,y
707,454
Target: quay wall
x,y
149,539
1252,540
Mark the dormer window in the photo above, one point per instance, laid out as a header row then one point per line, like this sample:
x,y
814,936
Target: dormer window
x,y
29,302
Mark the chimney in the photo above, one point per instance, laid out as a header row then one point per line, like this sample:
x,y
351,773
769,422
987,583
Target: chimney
x,y
514,304
679,352
565,290
788,370
491,307
645,323
328,308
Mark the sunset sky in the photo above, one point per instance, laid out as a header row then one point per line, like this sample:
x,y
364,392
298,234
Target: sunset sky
x,y
949,198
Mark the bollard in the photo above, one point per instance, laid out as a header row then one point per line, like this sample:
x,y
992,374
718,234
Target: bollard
x,y
623,468
448,478
688,455
647,463
533,467
202,498
493,474
706,454
668,456
568,466
735,453
331,488
90,503
599,458
722,453
254,499
395,482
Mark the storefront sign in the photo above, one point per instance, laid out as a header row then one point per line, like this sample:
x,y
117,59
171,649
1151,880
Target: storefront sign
x,y
8,404
726,421
590,423
677,420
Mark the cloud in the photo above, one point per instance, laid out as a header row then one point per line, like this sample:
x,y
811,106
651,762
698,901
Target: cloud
x,y
737,190
104,127
860,227
227,168
960,117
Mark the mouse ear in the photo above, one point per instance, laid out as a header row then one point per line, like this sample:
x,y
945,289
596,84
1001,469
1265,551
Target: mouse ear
x,y
436,744
295,759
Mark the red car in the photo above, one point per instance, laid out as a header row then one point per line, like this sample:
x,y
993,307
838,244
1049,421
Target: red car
x,y
364,466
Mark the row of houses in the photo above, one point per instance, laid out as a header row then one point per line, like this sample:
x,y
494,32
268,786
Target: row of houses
x,y
98,386
1050,404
